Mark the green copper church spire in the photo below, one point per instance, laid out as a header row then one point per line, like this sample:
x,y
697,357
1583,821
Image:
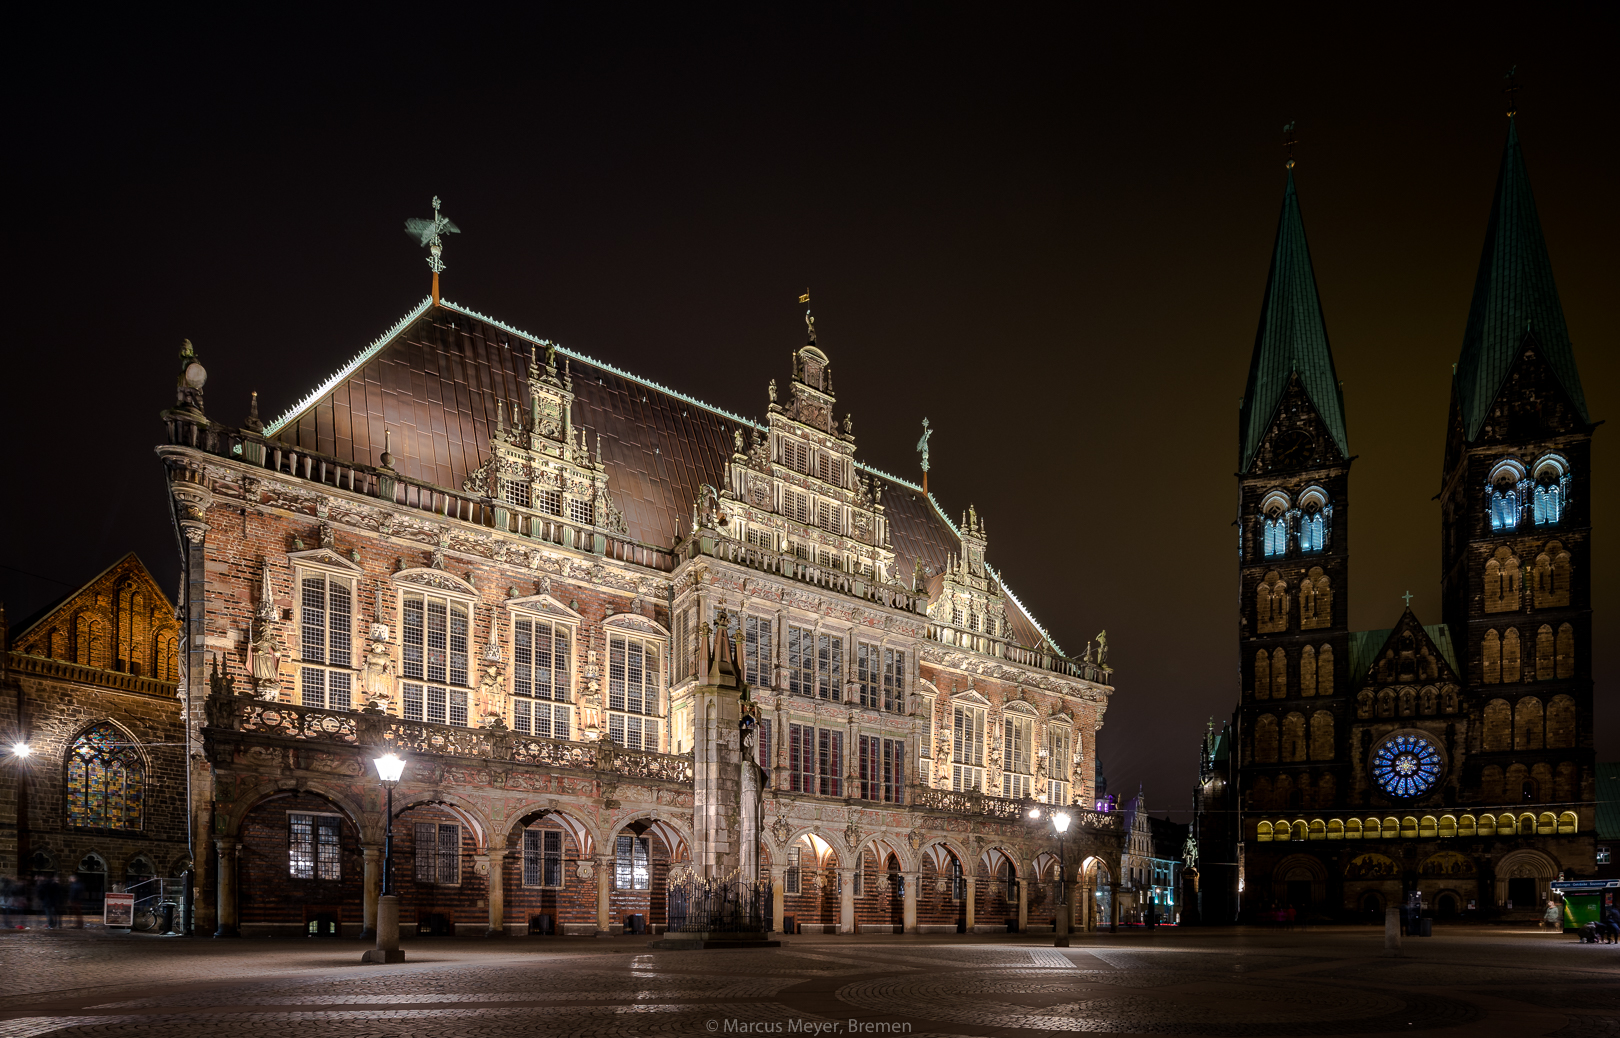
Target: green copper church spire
x,y
1292,338
1514,298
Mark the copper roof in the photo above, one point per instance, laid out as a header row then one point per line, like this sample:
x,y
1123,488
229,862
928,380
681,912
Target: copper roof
x,y
435,380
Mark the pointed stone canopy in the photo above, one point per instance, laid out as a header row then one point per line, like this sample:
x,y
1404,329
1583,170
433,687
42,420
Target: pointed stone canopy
x,y
1292,338
1514,296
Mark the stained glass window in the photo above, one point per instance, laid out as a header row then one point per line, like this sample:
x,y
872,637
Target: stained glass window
x,y
1406,766
105,780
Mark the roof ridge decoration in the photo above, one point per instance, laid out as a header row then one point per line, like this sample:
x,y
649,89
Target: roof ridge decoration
x,y
351,367
1292,338
1515,297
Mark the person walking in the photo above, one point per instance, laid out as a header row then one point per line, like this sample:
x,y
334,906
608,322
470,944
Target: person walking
x,y
50,900
75,900
1553,918
1611,925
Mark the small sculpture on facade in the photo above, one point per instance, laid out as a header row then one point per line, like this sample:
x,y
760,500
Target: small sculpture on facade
x,y
771,389
737,441
378,678
264,648
1102,648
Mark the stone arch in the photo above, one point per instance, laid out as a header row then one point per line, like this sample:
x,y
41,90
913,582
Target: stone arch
x,y
1491,658
459,807
1498,717
1560,722
1528,724
1386,702
1265,739
883,847
1294,746
577,826
369,826
1564,652
1322,735
1512,657
1307,671
668,828
1428,700
1315,601
1364,704
1502,582
1262,674
1527,863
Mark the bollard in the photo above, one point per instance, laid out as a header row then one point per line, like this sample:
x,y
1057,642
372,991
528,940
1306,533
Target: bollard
x,y
388,949
1392,929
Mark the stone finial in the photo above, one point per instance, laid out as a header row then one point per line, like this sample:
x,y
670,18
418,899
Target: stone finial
x,y
253,423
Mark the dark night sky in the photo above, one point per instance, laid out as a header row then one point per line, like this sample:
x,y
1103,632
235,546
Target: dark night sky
x,y
1045,229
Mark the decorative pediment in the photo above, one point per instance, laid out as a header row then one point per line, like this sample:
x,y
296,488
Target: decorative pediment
x,y
324,557
926,687
1061,717
435,578
636,622
1020,706
970,695
545,604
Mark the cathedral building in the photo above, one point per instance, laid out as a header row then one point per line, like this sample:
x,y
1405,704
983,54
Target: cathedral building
x,y
533,575
1451,759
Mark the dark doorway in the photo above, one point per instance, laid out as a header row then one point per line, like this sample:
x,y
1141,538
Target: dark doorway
x,y
1522,892
1446,906
1372,906
1299,893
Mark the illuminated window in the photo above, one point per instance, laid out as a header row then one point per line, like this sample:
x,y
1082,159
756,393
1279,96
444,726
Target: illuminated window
x,y
1017,778
433,659
581,512
815,664
1551,490
313,851
438,853
880,676
757,650
105,781
882,769
1058,739
515,491
633,687
791,886
1505,494
631,870
326,641
541,685
967,769
542,858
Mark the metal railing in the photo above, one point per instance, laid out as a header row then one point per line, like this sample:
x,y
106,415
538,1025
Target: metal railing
x,y
160,905
728,905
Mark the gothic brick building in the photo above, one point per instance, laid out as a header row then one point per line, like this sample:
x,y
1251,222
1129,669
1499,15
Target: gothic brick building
x,y
88,687
1454,759
523,569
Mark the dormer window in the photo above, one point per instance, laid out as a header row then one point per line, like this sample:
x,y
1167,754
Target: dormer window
x,y
515,491
797,455
1551,485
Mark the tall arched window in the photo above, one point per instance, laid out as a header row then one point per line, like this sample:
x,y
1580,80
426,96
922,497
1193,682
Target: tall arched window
x,y
1492,658
1324,671
1313,523
1274,522
1322,737
105,780
1544,653
1279,674
1505,493
1564,663
1262,674
1512,660
1307,671
1551,491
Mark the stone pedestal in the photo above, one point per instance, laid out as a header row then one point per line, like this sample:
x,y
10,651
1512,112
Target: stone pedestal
x,y
388,949
1392,929
225,889
371,859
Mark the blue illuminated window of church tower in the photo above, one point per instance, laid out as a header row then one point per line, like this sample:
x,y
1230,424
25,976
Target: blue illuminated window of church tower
x,y
1551,489
1310,533
1276,536
1504,509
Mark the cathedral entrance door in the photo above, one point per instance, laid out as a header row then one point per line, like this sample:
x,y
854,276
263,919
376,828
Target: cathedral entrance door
x,y
1522,892
1299,893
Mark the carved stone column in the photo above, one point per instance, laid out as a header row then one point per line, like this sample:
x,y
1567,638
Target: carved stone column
x,y
225,887
972,881
846,900
1023,899
496,861
778,901
603,893
371,858
909,912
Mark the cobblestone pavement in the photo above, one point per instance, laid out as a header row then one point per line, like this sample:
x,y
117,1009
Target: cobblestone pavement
x,y
1338,981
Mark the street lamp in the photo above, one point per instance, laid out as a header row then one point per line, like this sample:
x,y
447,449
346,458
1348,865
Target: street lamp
x,y
21,750
389,769
1060,825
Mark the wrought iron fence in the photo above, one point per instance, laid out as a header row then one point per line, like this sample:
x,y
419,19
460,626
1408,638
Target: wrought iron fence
x,y
728,905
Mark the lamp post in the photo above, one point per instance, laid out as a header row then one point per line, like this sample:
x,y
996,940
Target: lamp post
x,y
389,769
1060,825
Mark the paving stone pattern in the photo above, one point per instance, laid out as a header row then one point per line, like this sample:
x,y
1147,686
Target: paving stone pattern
x,y
1478,983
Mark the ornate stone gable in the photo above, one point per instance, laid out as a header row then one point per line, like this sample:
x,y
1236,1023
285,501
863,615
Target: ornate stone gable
x,y
119,621
539,465
969,597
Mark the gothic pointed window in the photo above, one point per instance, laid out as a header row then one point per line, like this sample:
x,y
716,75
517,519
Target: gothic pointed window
x,y
1274,524
105,780
1313,522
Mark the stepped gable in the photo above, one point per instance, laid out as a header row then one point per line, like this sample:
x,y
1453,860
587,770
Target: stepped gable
x,y
435,381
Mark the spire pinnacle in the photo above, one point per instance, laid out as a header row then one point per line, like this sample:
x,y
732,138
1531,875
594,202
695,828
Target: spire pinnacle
x,y
1289,140
1512,91
429,233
